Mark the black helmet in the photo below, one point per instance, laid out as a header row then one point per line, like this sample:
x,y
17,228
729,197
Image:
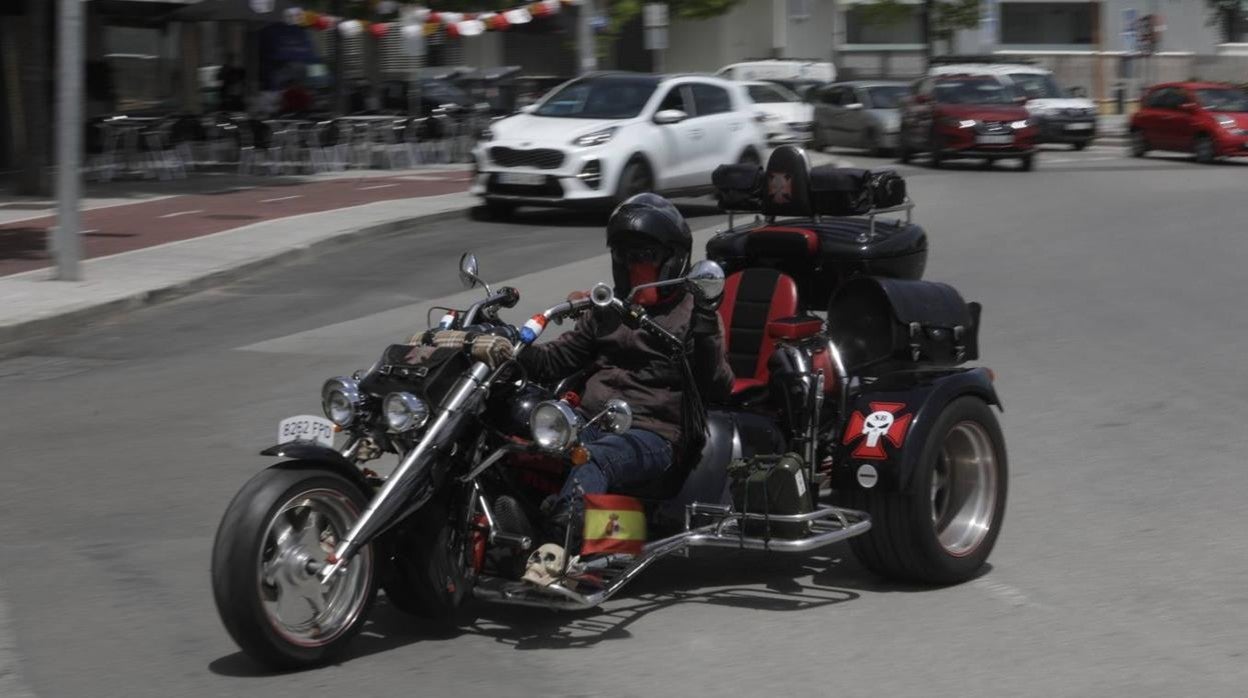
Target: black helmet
x,y
648,223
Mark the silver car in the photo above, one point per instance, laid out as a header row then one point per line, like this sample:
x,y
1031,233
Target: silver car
x,y
858,114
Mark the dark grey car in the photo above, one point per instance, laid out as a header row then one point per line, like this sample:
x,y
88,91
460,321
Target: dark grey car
x,y
858,114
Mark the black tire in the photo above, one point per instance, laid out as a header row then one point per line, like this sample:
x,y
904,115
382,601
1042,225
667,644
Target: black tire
x,y
1139,144
749,157
935,147
988,163
241,543
1080,145
428,575
1027,163
493,210
1203,149
903,542
635,179
903,150
873,144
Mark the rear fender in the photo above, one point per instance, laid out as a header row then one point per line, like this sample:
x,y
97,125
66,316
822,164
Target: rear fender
x,y
309,455
882,453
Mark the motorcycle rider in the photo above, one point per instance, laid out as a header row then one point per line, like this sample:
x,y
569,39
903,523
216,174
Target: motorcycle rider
x,y
649,241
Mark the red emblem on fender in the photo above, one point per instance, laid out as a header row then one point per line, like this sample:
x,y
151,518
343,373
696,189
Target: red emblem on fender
x,y
882,423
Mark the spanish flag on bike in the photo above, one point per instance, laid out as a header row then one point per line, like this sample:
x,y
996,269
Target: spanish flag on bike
x,y
613,524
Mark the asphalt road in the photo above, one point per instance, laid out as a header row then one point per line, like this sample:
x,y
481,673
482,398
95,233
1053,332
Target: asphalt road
x,y
1113,317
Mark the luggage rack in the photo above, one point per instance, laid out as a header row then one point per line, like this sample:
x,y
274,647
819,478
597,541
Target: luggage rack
x,y
906,206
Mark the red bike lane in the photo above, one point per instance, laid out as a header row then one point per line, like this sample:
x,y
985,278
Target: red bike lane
x,y
126,227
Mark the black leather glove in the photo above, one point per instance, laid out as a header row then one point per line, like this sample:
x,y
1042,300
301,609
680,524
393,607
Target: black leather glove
x,y
704,321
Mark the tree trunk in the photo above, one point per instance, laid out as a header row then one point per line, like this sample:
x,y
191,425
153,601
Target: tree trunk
x,y
34,178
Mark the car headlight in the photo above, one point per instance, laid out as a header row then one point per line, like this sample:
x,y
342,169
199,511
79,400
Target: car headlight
x,y
959,123
554,425
597,137
1022,123
341,400
404,412
1229,125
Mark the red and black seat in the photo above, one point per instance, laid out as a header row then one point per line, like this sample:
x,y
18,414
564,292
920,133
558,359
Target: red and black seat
x,y
753,298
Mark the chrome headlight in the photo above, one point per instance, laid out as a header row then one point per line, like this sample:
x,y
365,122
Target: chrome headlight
x,y
341,400
597,137
1023,123
554,425
404,412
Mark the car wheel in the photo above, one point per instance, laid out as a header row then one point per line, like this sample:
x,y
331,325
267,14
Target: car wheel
x,y
1080,145
635,179
493,210
988,162
1139,144
1027,163
749,157
903,150
1204,149
873,144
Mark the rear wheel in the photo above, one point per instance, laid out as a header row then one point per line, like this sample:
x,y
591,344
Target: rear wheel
x,y
942,530
1139,144
1204,149
874,149
1027,163
903,150
1080,145
270,545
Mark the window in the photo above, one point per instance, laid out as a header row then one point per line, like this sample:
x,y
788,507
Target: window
x,y
1046,23
862,26
972,90
770,94
614,98
710,99
886,96
1036,85
1223,99
675,99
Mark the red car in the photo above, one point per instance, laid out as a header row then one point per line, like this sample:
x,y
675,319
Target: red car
x,y
966,116
1207,119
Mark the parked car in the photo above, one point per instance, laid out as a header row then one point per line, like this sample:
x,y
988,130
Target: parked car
x,y
966,116
859,114
793,73
1209,120
601,138
785,117
1060,116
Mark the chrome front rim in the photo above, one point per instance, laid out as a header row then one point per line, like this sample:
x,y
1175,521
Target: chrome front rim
x,y
964,489
305,530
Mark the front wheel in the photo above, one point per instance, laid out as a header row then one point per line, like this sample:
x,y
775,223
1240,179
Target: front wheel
x,y
1139,144
635,179
274,537
1204,149
943,528
1027,163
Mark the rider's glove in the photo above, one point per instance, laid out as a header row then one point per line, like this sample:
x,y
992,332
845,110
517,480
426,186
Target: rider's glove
x,y
491,349
704,321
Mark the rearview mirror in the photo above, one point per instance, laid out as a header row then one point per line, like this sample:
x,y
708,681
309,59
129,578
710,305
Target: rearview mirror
x,y
618,417
670,116
468,270
706,280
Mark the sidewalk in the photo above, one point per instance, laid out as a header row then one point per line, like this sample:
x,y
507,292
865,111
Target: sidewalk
x,y
147,241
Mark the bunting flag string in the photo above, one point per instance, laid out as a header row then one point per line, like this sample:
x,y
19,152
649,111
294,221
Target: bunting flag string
x,y
455,24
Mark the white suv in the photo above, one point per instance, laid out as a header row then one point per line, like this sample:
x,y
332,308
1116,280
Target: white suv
x,y
601,138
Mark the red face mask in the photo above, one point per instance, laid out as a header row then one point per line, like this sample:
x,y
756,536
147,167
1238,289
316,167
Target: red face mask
x,y
644,273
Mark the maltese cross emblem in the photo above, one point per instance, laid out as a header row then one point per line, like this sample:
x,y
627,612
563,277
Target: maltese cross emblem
x,y
780,188
882,423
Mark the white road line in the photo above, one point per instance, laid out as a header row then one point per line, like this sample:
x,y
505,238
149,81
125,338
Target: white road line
x,y
378,186
281,198
11,684
181,213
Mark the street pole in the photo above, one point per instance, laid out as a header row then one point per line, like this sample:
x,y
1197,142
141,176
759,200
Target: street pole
x,y
925,26
66,241
340,94
585,38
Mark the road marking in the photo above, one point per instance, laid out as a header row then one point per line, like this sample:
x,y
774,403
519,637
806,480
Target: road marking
x,y
181,213
378,186
281,198
11,684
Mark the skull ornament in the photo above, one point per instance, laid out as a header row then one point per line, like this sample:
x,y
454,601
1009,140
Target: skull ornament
x,y
876,425
545,565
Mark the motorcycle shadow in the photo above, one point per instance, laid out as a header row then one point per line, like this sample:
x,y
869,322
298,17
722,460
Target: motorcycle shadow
x,y
577,218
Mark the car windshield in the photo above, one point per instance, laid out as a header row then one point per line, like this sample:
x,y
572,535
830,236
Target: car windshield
x,y
770,94
972,91
1225,99
1036,85
797,87
887,96
614,98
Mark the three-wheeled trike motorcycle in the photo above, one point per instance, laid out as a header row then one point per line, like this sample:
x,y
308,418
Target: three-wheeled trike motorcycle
x,y
853,417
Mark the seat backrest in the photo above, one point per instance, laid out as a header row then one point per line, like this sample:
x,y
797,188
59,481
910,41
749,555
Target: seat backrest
x,y
752,298
788,183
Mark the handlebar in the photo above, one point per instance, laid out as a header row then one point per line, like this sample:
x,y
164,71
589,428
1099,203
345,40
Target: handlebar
x,y
506,297
603,297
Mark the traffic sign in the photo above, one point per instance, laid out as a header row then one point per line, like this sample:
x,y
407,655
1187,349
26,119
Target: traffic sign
x,y
655,14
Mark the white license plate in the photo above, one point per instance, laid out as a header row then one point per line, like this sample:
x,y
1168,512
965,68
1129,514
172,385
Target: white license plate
x,y
994,140
306,427
523,179
1078,127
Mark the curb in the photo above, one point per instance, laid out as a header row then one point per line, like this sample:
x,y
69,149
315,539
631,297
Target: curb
x,y
19,336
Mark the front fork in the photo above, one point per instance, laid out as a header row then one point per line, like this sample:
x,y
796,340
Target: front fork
x,y
398,487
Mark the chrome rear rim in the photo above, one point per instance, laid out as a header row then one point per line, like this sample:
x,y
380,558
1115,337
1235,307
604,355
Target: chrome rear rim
x,y
964,489
297,539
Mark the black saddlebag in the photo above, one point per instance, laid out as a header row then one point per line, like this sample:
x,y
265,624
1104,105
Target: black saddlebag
x,y
876,320
425,371
771,485
840,191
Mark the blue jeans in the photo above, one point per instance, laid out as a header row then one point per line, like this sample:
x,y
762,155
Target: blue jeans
x,y
615,460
